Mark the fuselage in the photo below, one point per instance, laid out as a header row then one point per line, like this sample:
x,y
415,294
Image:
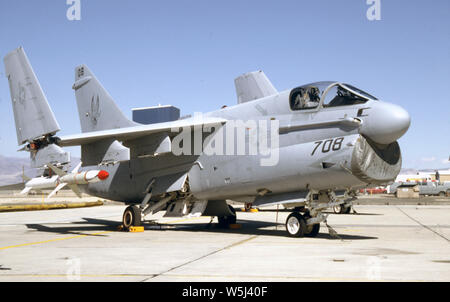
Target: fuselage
x,y
325,147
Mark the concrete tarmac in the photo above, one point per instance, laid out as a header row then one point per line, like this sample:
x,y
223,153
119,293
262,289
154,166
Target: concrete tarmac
x,y
380,243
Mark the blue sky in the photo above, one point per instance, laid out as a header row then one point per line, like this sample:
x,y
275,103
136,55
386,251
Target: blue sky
x,y
187,53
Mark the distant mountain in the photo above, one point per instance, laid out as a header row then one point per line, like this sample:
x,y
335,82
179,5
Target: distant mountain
x,y
11,169
433,170
408,171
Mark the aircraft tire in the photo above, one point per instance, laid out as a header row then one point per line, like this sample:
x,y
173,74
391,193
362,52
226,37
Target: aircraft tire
x,y
131,217
340,209
347,210
311,231
296,225
314,231
225,221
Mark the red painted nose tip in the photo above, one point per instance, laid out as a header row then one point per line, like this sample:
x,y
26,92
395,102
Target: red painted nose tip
x,y
102,175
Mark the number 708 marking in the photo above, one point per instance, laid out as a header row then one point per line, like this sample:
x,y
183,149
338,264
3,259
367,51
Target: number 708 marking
x,y
329,144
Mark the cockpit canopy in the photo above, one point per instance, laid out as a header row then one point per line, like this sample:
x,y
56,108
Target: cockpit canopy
x,y
327,94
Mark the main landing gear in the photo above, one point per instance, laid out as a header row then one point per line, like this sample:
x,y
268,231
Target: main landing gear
x,y
135,214
132,216
225,221
308,223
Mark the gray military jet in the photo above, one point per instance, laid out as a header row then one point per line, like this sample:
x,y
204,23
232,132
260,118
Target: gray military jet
x,y
306,148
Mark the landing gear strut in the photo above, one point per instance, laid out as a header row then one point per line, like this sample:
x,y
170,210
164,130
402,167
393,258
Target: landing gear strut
x,y
312,230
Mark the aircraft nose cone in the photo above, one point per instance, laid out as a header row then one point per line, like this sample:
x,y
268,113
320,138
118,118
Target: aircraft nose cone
x,y
386,123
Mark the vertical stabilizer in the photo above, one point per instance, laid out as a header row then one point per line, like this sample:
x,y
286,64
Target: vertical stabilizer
x,y
32,113
96,108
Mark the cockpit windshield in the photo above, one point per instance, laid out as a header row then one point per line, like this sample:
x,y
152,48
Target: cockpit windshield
x,y
363,93
307,96
310,96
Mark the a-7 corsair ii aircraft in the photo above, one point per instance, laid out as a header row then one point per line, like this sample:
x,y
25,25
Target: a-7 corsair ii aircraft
x,y
307,148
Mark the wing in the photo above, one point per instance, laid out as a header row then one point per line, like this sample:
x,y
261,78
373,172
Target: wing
x,y
136,132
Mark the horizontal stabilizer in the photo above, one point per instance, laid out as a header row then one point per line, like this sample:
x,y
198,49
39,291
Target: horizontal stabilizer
x,y
49,154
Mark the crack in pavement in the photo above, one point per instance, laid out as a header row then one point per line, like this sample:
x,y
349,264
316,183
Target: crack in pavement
x,y
425,226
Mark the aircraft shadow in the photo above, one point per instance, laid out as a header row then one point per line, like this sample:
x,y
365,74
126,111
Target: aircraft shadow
x,y
326,212
359,214
248,227
78,227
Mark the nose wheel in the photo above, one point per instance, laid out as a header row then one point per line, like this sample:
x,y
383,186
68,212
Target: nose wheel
x,y
296,226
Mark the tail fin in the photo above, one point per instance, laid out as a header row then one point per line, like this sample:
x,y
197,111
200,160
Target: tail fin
x,y
96,108
32,113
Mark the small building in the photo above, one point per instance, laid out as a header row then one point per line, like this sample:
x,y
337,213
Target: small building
x,y
408,190
156,114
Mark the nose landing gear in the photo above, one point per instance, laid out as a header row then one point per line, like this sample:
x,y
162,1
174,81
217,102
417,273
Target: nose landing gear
x,y
308,224
298,225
